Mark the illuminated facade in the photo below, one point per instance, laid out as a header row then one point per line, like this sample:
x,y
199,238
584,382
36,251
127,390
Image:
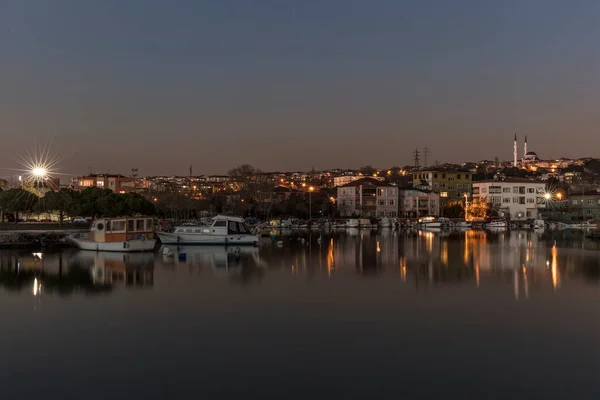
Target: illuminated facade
x,y
368,197
116,183
517,199
450,185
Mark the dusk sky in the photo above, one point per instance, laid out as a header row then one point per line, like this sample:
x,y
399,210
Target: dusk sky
x,y
288,85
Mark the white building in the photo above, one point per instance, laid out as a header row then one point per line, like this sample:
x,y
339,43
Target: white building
x,y
346,179
416,203
517,199
368,197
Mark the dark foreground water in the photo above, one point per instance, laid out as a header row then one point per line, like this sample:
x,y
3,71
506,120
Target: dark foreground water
x,y
359,315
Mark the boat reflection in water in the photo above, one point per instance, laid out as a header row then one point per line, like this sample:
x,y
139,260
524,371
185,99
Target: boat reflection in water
x,y
237,262
109,269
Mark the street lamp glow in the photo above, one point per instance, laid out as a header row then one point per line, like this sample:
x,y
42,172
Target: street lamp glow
x,y
311,188
39,172
547,196
559,195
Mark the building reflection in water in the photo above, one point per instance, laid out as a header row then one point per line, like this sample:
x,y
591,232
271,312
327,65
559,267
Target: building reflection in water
x,y
525,260
443,257
46,273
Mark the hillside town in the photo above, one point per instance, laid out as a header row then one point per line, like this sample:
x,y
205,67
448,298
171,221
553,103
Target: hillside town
x,y
526,188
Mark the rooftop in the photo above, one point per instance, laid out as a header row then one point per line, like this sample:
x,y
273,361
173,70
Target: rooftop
x,y
367,182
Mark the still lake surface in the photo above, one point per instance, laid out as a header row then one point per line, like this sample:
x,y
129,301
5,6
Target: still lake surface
x,y
357,315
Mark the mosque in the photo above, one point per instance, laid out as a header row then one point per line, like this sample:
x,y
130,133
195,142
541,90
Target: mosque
x,y
528,156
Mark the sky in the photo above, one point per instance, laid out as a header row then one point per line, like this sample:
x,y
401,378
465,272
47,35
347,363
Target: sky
x,y
160,85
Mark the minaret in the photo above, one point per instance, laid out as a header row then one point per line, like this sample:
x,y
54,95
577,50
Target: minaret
x,y
525,148
515,152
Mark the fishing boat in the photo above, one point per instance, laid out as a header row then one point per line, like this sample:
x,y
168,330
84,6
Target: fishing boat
x,y
124,234
224,230
433,222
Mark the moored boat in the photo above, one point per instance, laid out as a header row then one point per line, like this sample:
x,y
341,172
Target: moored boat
x,y
496,223
433,222
124,234
225,230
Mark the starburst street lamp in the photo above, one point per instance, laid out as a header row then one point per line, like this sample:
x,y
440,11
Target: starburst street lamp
x,y
38,168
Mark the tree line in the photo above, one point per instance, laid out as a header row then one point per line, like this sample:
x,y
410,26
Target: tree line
x,y
91,202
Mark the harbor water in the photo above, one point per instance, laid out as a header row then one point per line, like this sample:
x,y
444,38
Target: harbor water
x,y
348,315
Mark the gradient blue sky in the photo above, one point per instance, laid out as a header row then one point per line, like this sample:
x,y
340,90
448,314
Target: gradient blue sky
x,y
285,85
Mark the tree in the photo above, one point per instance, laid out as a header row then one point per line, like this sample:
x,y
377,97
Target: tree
x,y
453,209
367,170
96,202
61,201
17,201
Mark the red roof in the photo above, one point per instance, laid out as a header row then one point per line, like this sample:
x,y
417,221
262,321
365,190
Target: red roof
x,y
367,182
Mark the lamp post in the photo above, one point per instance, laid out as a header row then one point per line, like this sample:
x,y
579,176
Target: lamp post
x,y
310,190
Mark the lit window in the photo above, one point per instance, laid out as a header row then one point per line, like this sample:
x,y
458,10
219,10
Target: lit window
x,y
444,194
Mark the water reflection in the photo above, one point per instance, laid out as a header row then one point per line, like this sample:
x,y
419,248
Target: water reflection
x,y
529,260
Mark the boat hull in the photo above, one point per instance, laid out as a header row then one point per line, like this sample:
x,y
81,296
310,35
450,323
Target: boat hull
x,y
122,247
191,239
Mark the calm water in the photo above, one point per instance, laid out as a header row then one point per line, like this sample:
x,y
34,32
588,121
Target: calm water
x,y
359,315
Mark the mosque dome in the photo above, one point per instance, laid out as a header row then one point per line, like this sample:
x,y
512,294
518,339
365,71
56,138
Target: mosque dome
x,y
531,153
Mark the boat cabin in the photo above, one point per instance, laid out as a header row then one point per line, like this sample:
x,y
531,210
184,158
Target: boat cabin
x,y
107,230
222,225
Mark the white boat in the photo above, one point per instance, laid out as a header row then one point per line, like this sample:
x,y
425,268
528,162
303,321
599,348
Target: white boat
x,y
125,234
353,223
287,223
496,223
433,222
365,223
225,230
341,224
581,225
539,224
385,222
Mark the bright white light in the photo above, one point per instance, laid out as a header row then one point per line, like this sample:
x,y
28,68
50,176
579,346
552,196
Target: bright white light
x,y
39,165
547,196
39,172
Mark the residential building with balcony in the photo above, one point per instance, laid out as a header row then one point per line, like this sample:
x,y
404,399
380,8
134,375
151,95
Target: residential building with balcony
x,y
116,183
516,199
585,205
449,184
415,203
368,197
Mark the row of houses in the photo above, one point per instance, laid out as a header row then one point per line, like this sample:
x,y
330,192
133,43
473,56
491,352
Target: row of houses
x,y
517,199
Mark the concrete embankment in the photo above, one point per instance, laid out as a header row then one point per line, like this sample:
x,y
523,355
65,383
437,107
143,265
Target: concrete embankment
x,y
36,235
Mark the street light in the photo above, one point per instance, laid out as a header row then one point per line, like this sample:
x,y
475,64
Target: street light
x,y
547,196
559,196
